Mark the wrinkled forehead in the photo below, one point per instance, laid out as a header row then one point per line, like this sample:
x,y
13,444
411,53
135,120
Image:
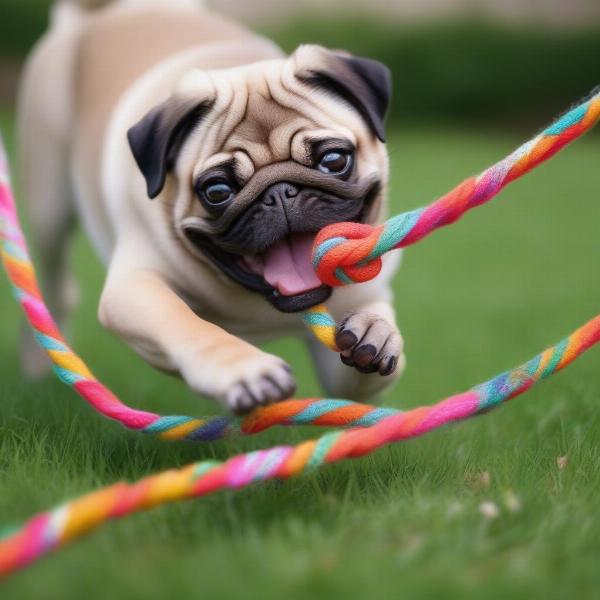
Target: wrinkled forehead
x,y
263,114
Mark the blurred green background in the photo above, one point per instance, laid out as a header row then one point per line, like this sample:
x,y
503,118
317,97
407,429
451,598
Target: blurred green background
x,y
465,66
472,300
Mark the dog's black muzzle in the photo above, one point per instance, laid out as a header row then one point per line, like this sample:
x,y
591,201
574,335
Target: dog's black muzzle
x,y
304,202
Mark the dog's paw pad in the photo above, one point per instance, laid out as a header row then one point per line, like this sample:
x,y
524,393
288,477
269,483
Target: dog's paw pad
x,y
370,344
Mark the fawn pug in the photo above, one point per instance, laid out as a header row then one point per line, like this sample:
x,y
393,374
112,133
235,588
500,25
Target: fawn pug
x,y
201,162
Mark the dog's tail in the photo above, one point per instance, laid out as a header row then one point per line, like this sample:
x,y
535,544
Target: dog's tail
x,y
66,7
67,11
88,3
93,4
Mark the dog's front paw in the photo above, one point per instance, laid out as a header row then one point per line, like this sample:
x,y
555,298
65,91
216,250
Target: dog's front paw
x,y
238,375
258,381
370,344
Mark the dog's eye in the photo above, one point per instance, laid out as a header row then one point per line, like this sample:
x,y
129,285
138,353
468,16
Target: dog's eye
x,y
335,162
216,192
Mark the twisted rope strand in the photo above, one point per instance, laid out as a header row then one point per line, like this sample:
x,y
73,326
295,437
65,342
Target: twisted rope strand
x,y
50,530
346,253
350,252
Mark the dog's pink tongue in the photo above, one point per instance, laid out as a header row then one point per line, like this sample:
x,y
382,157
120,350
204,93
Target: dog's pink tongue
x,y
288,267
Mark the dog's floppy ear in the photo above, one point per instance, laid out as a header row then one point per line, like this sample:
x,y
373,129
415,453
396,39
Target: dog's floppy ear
x,y
156,140
364,83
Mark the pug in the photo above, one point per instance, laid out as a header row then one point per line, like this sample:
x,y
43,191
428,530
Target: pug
x,y
201,162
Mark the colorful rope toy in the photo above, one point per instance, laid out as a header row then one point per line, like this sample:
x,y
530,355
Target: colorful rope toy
x,y
347,253
344,253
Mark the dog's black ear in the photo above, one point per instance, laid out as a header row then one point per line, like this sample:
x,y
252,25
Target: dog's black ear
x,y
156,140
364,83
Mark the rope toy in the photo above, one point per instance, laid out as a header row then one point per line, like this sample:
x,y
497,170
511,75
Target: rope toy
x,y
371,427
346,253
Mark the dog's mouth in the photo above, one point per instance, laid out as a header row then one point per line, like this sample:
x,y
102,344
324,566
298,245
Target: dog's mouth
x,y
287,268
265,243
283,273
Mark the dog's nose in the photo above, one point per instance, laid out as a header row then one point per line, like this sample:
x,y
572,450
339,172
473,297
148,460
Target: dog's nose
x,y
279,192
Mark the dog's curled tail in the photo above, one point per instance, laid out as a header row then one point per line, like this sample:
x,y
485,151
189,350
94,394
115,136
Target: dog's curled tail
x,y
68,12
87,5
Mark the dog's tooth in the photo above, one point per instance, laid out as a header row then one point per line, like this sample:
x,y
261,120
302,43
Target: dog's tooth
x,y
254,263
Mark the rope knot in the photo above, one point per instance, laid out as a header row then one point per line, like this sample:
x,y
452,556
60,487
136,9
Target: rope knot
x,y
345,253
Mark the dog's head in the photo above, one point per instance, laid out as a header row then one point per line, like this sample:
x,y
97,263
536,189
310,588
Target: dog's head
x,y
252,162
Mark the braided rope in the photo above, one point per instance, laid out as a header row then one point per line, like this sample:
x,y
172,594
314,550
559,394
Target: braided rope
x,y
53,529
373,427
346,253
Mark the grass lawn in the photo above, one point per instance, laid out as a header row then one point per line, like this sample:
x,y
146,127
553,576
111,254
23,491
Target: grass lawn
x,y
472,300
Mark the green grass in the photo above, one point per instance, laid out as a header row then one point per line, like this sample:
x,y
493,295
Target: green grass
x,y
472,300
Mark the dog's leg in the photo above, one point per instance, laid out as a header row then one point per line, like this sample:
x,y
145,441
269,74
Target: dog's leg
x,y
372,349
44,125
372,356
140,307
